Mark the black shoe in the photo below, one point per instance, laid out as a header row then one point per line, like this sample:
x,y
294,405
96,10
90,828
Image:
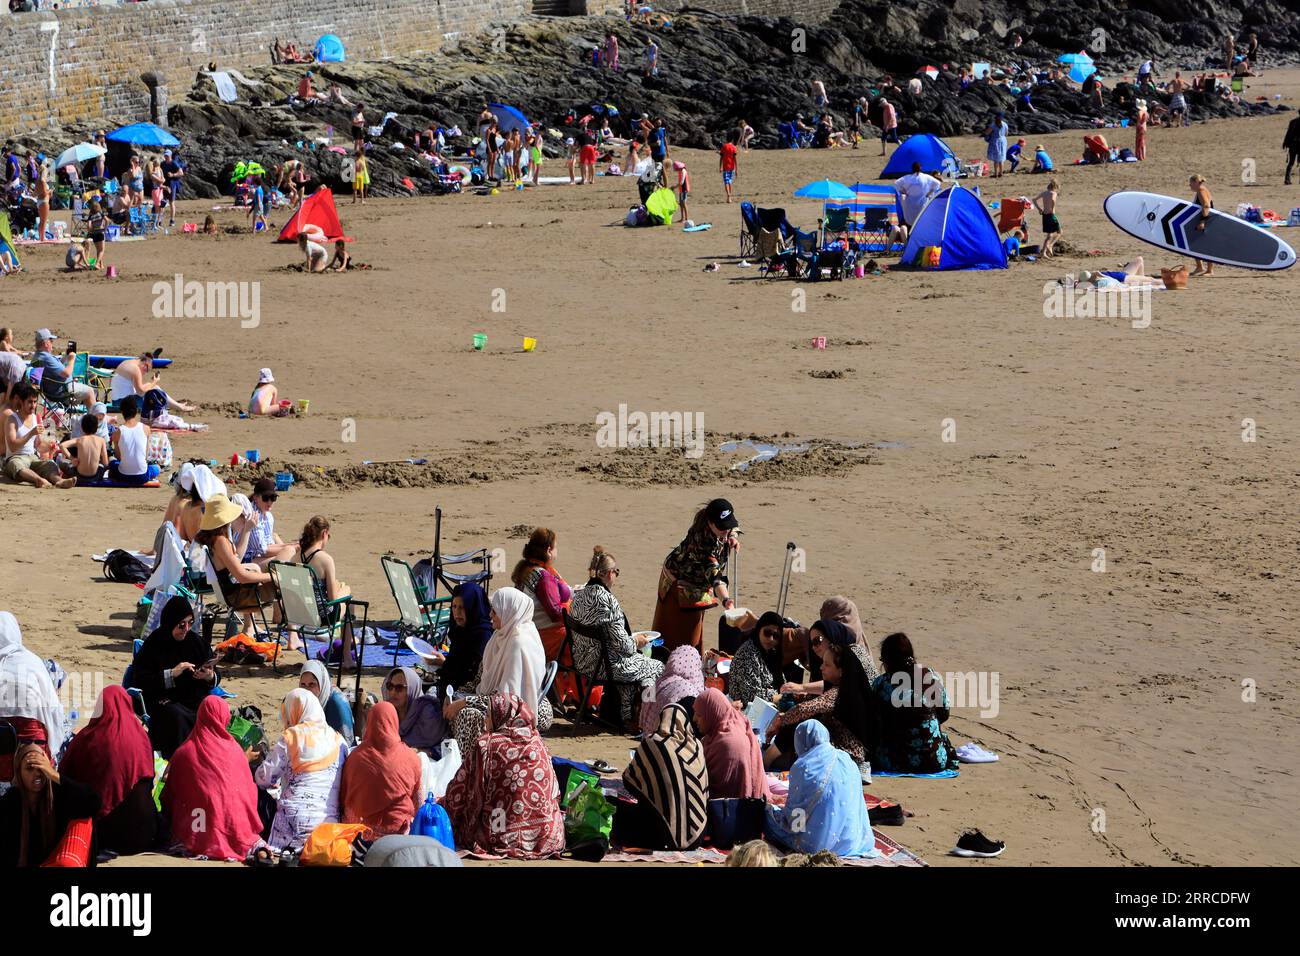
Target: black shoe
x,y
975,843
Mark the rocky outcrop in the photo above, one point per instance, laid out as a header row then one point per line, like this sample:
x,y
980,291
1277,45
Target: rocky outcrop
x,y
716,71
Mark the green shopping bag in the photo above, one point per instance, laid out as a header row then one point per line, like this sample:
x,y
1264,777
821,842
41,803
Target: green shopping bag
x,y
588,814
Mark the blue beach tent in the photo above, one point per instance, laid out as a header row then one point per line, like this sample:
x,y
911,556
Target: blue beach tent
x,y
329,49
924,148
957,222
509,118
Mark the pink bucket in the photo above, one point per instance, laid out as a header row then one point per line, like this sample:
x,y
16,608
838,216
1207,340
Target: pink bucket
x,y
112,272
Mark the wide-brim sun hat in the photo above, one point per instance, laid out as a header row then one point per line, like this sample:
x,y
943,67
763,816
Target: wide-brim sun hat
x,y
219,511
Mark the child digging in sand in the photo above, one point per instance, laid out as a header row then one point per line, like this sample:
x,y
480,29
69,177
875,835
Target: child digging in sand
x,y
315,253
1045,203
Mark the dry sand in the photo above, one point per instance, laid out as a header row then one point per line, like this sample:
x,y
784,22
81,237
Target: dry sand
x,y
1121,693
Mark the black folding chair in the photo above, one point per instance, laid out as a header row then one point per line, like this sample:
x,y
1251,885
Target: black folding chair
x,y
587,684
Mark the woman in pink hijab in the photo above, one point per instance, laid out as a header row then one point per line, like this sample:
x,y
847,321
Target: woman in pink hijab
x,y
731,749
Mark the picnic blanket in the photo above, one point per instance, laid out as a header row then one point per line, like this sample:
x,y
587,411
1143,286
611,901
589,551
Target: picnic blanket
x,y
375,654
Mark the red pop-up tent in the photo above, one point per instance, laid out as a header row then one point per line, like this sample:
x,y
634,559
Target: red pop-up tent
x,y
316,213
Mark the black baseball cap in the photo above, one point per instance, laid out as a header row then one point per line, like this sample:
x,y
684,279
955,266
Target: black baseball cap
x,y
722,514
264,486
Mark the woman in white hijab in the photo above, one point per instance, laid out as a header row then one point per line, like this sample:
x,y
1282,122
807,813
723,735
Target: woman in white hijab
x,y
305,761
27,693
514,662
315,678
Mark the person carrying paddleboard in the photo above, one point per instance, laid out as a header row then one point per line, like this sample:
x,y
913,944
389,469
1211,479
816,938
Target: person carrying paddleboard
x,y
1201,194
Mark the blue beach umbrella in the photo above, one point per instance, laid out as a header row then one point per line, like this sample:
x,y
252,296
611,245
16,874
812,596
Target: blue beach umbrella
x,y
827,190
1080,64
143,134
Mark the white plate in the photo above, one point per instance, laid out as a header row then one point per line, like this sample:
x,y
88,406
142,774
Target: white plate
x,y
422,648
735,614
649,635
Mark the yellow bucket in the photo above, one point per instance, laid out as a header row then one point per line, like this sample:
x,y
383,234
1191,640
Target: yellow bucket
x,y
303,405
530,344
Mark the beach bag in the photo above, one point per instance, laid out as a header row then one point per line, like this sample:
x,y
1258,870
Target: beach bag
x,y
330,844
74,849
589,816
1174,278
734,820
125,568
159,451
432,821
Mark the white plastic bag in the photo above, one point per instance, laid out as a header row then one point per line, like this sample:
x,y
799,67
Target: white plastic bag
x,y
437,774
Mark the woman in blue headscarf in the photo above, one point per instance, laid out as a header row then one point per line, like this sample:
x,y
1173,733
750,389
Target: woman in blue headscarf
x,y
468,633
825,809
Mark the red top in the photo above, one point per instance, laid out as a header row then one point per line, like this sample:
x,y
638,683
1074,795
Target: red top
x,y
728,153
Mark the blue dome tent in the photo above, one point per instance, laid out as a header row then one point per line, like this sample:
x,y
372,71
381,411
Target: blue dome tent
x,y
509,118
956,221
329,49
925,148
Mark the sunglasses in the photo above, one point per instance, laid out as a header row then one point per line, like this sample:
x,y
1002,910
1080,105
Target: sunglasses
x,y
615,572
818,641
389,685
269,497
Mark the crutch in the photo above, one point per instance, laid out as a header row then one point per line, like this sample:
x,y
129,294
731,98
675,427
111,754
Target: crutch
x,y
783,592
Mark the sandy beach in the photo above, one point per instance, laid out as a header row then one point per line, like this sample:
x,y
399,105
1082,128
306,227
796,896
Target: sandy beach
x,y
1120,720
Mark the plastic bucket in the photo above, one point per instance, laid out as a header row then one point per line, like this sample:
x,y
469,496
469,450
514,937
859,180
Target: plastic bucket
x,y
303,405
253,455
283,480
530,344
480,341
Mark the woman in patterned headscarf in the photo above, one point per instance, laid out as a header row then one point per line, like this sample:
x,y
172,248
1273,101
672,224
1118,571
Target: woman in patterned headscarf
x,y
505,798
305,761
682,678
670,780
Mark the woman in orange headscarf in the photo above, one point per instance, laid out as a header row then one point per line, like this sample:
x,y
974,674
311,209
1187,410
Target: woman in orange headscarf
x,y
382,777
305,761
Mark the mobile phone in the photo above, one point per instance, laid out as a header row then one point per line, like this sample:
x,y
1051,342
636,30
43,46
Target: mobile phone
x,y
72,345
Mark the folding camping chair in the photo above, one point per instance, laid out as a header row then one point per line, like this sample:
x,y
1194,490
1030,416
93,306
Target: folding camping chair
x,y
295,586
838,222
440,562
1011,217
258,609
876,227
834,261
771,246
416,616
587,684
749,230
798,258
775,219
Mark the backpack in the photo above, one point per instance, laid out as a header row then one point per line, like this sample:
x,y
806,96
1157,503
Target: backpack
x,y
125,568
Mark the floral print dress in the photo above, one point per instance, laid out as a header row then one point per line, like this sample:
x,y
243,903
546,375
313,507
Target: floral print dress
x,y
911,740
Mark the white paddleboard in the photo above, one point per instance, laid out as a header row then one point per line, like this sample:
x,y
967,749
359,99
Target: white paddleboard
x,y
1171,224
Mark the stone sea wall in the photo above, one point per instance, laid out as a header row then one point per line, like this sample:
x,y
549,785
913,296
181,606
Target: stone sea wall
x,y
84,64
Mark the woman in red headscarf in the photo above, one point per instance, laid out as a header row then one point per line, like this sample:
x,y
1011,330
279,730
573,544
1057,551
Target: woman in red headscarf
x,y
210,795
113,757
505,798
382,777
